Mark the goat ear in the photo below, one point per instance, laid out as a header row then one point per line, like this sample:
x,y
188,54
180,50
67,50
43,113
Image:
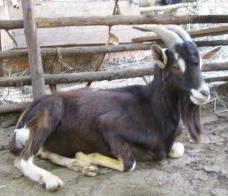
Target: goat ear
x,y
209,53
159,56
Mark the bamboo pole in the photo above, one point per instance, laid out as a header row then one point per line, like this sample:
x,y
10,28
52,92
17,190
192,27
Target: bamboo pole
x,y
116,20
35,61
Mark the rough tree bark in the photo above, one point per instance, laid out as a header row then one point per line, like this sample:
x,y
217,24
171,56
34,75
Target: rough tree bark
x,y
116,20
21,106
51,52
35,62
97,76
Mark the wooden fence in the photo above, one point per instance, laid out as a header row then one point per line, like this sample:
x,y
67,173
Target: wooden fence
x,y
35,53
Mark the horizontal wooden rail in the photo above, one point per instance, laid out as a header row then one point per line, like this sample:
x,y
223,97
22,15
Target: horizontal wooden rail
x,y
221,30
116,20
48,52
77,77
51,79
19,107
45,52
13,108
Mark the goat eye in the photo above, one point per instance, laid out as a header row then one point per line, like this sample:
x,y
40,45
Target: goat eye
x,y
176,67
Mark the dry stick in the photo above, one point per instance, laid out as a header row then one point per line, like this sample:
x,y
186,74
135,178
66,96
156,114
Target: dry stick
x,y
14,41
52,70
115,10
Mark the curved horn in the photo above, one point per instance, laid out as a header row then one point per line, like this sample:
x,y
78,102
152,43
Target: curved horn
x,y
168,37
180,31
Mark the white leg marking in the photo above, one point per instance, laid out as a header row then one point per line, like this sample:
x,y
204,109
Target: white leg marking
x,y
35,173
177,150
22,135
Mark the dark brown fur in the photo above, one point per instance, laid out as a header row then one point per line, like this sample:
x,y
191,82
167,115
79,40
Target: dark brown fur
x,y
131,123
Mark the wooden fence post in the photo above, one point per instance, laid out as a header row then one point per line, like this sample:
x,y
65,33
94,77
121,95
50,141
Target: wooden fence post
x,y
35,62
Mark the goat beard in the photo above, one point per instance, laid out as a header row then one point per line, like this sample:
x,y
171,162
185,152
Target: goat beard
x,y
190,114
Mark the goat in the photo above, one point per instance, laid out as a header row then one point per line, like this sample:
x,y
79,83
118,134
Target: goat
x,y
115,128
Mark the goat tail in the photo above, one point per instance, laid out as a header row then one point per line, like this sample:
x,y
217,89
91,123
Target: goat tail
x,y
35,124
14,147
190,114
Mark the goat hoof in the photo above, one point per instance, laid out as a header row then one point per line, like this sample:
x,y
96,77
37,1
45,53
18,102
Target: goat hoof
x,y
51,182
90,171
86,168
177,150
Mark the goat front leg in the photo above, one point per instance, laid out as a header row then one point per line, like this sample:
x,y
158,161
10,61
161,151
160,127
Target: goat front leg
x,y
177,150
77,165
35,173
125,160
101,160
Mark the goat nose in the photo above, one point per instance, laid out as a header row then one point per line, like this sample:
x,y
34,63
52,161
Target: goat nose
x,y
205,93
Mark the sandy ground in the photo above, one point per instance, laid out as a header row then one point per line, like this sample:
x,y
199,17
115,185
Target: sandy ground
x,y
203,169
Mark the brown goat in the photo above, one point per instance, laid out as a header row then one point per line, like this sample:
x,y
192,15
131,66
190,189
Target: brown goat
x,y
116,127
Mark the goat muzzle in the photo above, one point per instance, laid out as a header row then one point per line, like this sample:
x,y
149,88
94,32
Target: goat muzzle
x,y
200,96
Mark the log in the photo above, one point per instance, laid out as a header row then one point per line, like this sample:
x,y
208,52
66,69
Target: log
x,y
35,61
51,52
19,107
116,20
77,77
13,108
217,79
212,43
215,67
197,33
47,52
93,76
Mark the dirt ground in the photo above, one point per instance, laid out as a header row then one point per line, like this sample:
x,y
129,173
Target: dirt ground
x,y
203,169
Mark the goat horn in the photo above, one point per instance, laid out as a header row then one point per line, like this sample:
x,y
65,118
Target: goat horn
x,y
168,37
180,31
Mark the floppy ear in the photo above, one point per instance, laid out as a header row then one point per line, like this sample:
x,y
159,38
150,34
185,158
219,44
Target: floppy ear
x,y
159,56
